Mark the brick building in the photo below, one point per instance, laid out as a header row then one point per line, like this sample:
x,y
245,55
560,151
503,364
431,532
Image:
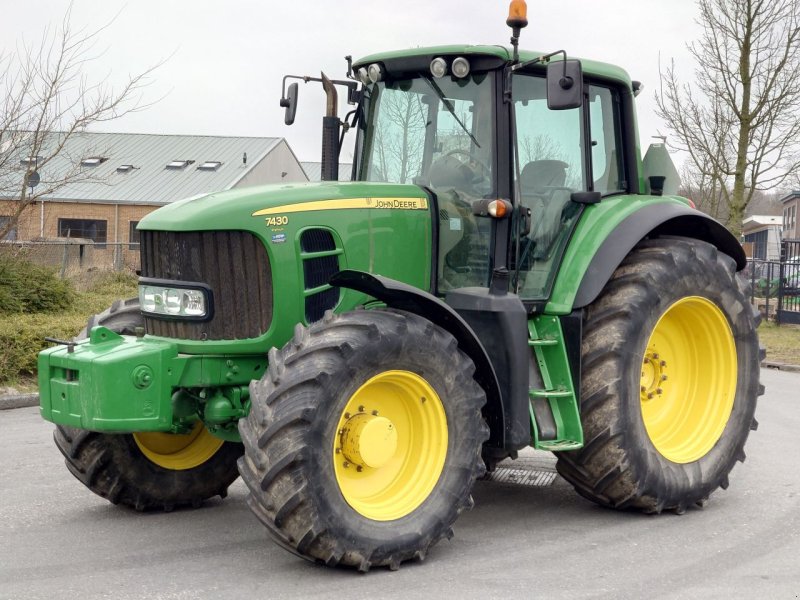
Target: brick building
x,y
130,175
791,216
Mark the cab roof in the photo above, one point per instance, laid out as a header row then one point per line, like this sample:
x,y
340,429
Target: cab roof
x,y
421,57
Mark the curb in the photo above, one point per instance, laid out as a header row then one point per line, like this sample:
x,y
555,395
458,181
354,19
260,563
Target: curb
x,y
19,401
781,366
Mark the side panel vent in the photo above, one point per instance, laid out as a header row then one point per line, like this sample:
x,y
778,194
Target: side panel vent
x,y
317,240
320,256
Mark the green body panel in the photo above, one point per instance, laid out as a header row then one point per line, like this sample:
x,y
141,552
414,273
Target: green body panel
x,y
124,383
546,338
597,223
367,240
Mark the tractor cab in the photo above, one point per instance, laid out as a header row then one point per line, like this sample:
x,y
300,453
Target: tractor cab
x,y
472,127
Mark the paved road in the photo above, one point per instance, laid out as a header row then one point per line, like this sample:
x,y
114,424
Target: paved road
x,y
57,540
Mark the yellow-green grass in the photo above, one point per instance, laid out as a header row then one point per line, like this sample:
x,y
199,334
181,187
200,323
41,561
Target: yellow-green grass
x,y
782,342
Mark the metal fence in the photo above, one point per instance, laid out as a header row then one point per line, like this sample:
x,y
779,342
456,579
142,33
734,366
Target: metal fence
x,y
73,257
775,284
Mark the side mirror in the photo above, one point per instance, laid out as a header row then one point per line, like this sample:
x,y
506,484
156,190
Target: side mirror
x,y
564,84
290,104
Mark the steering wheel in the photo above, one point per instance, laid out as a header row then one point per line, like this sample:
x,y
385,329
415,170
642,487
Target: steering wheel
x,y
471,163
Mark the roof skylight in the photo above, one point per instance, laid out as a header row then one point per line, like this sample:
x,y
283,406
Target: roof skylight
x,y
93,161
210,165
179,164
125,168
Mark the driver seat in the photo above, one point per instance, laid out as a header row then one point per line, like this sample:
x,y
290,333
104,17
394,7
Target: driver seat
x,y
542,186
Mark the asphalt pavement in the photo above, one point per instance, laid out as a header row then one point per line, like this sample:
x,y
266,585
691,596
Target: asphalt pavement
x,y
58,540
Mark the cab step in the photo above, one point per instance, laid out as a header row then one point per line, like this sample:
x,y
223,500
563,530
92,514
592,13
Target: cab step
x,y
555,417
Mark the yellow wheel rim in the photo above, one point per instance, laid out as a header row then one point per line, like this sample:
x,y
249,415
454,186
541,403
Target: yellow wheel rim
x,y
688,380
390,445
179,452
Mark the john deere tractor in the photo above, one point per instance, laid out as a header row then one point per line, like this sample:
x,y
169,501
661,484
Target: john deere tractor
x,y
503,271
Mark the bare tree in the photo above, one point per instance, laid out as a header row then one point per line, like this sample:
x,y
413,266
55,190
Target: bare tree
x,y
739,121
400,136
46,99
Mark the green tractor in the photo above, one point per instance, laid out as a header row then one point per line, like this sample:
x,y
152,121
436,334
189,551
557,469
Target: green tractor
x,y
503,271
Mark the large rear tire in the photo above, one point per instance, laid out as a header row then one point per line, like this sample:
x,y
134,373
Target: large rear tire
x,y
669,382
363,440
147,470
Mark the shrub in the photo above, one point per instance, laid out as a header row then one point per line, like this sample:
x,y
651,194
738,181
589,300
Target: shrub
x,y
29,288
22,335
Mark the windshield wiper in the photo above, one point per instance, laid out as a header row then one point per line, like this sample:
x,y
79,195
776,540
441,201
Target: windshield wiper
x,y
449,108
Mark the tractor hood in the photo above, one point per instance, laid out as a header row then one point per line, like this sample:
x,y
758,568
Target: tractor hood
x,y
235,209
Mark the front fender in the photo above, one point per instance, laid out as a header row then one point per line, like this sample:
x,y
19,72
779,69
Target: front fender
x,y
397,294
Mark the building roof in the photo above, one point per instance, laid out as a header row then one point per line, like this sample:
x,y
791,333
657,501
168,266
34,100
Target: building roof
x,y
313,171
134,167
791,196
760,222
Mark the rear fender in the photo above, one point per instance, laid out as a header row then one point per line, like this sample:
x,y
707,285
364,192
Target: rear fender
x,y
671,218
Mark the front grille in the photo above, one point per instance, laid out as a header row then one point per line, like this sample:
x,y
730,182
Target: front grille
x,y
234,264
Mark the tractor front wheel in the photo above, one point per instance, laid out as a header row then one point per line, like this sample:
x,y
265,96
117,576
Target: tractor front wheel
x,y
669,382
147,470
363,439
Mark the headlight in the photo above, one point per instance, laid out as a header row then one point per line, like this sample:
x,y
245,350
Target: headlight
x,y
172,300
461,67
438,67
375,72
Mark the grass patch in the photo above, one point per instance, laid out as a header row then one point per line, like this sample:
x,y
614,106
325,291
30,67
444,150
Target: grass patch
x,y
782,342
22,335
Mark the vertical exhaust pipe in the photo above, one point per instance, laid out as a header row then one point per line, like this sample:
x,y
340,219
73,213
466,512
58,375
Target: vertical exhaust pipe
x,y
330,133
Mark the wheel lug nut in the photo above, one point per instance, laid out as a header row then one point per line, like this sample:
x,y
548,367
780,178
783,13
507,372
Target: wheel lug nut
x,y
659,391
346,415
359,468
663,363
663,378
643,388
360,409
375,413
650,396
346,464
655,356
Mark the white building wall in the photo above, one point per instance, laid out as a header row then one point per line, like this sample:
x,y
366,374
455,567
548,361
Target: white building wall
x,y
272,167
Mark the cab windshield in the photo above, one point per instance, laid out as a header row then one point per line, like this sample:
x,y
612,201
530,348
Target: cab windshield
x,y
438,133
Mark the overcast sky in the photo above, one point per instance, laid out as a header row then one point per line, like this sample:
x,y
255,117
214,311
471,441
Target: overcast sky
x,y
225,60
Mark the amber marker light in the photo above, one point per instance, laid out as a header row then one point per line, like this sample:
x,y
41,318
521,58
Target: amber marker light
x,y
498,208
517,14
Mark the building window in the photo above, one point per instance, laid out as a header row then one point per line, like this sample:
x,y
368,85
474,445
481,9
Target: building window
x,y
12,233
133,236
89,229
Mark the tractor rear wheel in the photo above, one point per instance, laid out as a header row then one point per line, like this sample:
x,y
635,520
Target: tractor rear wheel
x,y
669,382
363,439
147,470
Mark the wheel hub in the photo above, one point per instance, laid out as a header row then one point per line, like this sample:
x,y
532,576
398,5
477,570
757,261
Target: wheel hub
x,y
368,440
654,375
